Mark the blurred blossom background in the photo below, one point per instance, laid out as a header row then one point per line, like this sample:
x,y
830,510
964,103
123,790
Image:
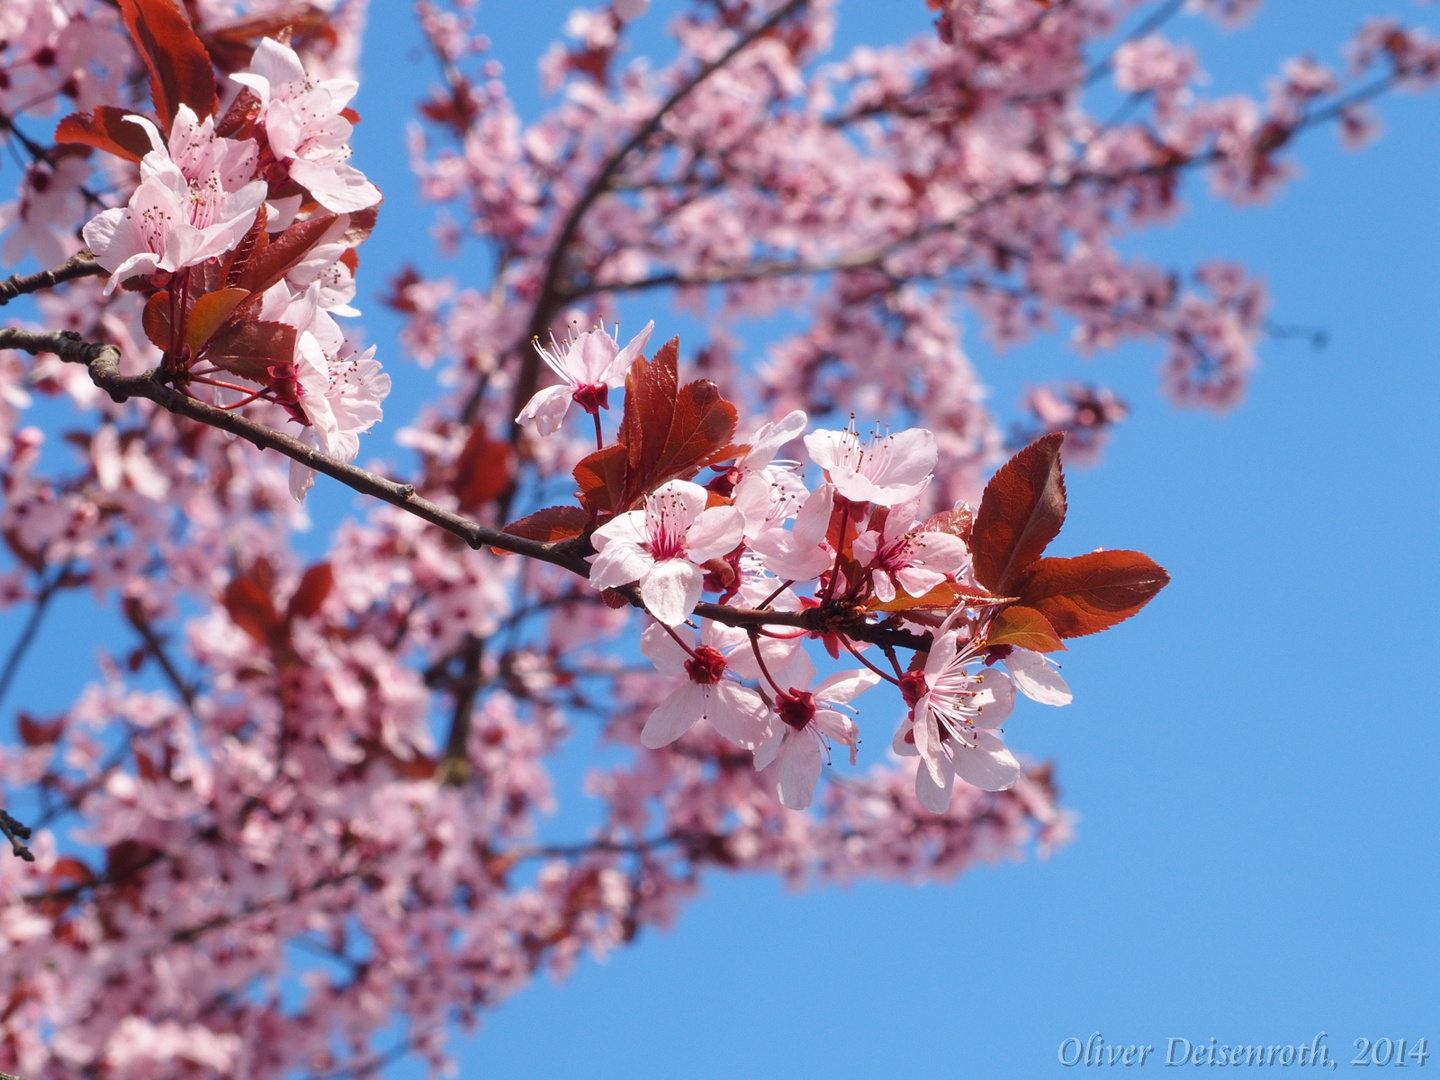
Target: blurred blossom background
x,y
1252,762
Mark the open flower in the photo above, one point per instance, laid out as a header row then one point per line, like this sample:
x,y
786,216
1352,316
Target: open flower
x,y
887,470
195,201
809,723
916,561
707,692
306,127
663,546
591,365
954,711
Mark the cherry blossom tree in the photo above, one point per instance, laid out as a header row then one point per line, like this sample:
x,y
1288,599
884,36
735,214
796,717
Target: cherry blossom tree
x,y
347,759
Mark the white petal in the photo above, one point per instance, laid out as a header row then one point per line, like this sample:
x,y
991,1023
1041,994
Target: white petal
x,y
904,747
681,501
768,750
662,650
801,759
739,714
674,716
990,766
1037,679
615,377
671,590
547,409
934,796
619,564
843,686
995,700
716,532
626,528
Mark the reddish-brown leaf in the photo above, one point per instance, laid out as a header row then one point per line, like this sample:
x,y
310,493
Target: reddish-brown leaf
x,y
180,68
1022,511
208,313
105,129
314,587
250,349
284,253
1093,592
251,610
155,320
1025,627
484,470
36,733
650,389
601,477
958,522
701,427
552,523
255,241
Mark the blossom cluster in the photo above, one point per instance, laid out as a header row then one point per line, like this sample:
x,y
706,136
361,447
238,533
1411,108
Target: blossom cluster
x,y
763,541
241,234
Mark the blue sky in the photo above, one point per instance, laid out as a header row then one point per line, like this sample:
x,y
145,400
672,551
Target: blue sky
x,y
1253,759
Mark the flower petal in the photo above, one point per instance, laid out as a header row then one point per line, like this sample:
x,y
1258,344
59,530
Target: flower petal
x,y
801,759
674,716
989,766
1037,679
671,589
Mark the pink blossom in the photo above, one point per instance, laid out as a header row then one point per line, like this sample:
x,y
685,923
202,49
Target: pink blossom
x,y
305,128
916,561
706,691
808,723
662,546
887,470
195,201
591,365
951,725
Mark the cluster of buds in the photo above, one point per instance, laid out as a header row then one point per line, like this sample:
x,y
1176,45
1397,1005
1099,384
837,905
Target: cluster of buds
x,y
242,231
848,562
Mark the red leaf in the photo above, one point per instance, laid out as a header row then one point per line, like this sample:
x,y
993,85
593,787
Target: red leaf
x,y
958,522
552,523
155,320
484,469
251,245
1022,511
251,609
1025,627
208,313
180,68
601,477
250,349
284,253
1090,593
105,129
35,733
701,428
314,587
650,389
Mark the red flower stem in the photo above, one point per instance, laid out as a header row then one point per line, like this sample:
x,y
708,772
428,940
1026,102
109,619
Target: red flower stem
x,y
766,602
671,630
755,648
846,642
599,438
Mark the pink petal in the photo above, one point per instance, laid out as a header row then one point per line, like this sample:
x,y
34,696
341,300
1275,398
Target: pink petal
x,y
675,715
671,589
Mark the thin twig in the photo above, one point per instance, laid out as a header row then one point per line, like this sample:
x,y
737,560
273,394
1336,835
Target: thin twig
x,y
81,264
27,635
135,616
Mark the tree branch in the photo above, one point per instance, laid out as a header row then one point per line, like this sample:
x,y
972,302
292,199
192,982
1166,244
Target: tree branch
x,y
81,264
103,362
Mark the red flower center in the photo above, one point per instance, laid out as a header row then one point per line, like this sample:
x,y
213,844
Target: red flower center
x,y
912,687
707,667
797,708
592,397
